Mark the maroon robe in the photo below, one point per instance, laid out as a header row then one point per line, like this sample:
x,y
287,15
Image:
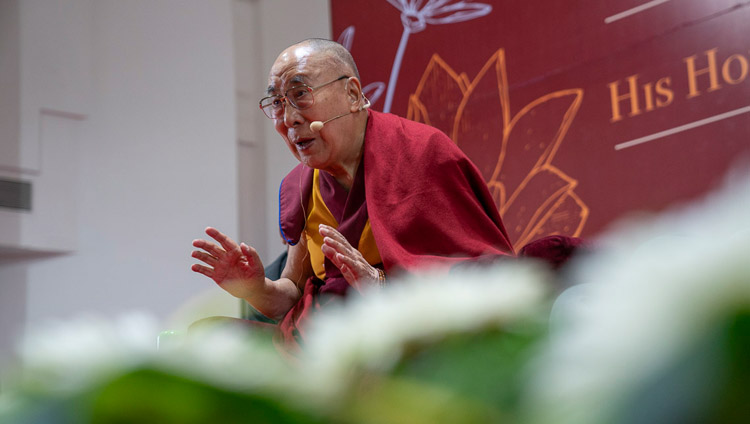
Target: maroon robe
x,y
426,201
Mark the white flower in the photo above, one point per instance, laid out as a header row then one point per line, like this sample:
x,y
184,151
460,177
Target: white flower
x,y
66,357
69,355
235,358
370,332
653,290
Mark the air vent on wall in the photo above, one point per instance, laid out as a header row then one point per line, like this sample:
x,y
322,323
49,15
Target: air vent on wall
x,y
15,194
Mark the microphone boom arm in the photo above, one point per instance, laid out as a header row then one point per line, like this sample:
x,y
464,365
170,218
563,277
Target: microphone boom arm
x,y
317,126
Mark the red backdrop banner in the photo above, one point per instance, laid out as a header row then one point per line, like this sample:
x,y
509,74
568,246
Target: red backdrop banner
x,y
576,112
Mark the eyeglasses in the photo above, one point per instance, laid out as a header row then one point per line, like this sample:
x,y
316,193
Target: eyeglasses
x,y
300,97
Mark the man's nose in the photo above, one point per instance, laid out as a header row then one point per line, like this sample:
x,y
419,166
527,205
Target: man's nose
x,y
292,117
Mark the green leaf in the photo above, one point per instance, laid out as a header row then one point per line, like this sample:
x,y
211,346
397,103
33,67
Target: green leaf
x,y
148,396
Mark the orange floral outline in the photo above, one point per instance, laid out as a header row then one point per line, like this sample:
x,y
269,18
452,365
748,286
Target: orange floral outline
x,y
548,209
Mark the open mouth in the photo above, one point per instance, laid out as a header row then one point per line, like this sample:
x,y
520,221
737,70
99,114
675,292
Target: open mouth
x,y
304,143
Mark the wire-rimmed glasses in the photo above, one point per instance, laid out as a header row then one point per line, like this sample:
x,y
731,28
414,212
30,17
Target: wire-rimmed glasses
x,y
300,97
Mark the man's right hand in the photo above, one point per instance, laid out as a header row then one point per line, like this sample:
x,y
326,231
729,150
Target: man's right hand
x,y
235,268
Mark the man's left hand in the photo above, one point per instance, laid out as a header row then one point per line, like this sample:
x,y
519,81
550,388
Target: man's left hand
x,y
349,260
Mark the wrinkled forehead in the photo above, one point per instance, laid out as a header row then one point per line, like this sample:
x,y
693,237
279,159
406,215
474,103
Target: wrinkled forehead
x,y
296,65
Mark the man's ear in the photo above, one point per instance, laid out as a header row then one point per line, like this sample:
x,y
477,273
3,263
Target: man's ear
x,y
354,94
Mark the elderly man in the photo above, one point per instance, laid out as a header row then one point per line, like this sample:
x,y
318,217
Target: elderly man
x,y
374,194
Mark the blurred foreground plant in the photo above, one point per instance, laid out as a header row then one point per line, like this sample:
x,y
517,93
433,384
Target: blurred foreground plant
x,y
657,330
429,349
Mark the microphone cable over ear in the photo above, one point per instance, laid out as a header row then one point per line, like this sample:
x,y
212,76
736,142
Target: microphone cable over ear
x,y
316,126
367,103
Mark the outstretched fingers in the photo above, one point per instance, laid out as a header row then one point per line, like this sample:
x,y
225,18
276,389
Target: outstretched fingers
x,y
205,257
353,266
202,269
227,243
339,253
209,247
228,250
336,242
330,232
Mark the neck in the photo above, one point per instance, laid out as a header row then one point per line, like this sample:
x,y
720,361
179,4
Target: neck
x,y
347,169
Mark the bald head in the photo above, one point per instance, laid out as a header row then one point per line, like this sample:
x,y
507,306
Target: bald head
x,y
335,51
329,133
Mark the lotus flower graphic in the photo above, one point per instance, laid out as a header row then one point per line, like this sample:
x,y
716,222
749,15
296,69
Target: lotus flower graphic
x,y
416,14
534,197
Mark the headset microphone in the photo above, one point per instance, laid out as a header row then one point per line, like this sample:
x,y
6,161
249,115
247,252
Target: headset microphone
x,y
316,126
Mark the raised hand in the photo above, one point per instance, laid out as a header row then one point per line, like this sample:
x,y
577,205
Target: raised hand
x,y
349,260
235,268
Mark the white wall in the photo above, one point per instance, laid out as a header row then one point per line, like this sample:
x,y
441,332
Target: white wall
x,y
156,148
10,69
144,93
277,26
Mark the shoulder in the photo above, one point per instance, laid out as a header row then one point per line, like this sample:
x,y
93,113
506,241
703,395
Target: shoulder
x,y
410,139
294,193
388,123
297,171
